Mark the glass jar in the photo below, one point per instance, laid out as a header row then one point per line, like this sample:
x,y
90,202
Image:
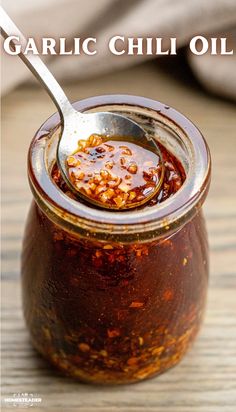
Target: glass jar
x,y
116,297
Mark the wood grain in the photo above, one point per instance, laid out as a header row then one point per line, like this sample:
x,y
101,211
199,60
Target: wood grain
x,y
205,381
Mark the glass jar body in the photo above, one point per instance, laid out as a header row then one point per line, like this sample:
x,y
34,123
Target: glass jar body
x,y
116,297
108,312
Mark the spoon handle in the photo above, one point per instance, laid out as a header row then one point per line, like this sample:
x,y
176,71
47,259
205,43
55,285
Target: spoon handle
x,y
36,66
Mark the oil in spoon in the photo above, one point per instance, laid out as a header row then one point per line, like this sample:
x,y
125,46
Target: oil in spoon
x,y
115,173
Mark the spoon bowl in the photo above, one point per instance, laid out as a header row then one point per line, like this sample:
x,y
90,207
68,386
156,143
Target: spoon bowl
x,y
79,126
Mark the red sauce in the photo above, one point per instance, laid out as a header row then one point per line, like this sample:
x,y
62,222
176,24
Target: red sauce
x,y
145,160
114,312
115,173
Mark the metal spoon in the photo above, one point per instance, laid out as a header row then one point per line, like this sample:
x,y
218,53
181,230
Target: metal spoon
x,y
76,125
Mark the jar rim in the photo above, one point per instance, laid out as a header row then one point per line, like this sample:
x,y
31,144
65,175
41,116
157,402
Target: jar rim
x,y
140,223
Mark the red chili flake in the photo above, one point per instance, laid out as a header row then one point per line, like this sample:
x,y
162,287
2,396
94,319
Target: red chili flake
x,y
113,333
124,282
84,347
132,361
136,305
121,258
168,295
98,253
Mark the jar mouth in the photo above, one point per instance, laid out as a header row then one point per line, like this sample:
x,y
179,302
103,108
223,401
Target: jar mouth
x,y
172,129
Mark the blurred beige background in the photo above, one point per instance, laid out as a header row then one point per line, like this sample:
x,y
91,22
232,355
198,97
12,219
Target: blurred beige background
x,y
103,19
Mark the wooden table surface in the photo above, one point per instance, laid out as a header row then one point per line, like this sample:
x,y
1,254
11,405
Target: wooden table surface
x,y
205,380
